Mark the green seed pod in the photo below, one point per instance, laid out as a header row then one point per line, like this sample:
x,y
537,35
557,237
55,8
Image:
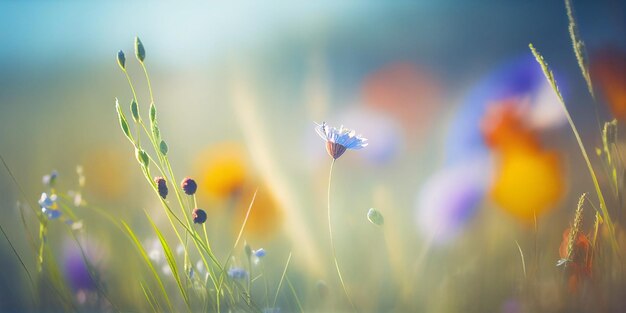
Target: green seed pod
x,y
156,132
123,122
163,148
134,109
142,157
152,113
140,52
121,60
609,133
375,217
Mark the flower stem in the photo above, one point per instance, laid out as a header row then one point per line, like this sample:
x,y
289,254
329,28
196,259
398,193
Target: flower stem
x,y
332,243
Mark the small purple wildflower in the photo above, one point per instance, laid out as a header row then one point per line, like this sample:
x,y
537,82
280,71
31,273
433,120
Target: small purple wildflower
x,y
199,216
189,186
161,186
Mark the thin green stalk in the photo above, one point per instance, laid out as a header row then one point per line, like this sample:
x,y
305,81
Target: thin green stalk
x,y
30,278
295,295
332,243
43,230
267,286
147,80
521,254
243,226
280,283
249,285
170,260
150,297
146,259
132,88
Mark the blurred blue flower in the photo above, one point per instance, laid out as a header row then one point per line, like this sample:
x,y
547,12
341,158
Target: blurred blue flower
x,y
47,201
271,310
339,140
48,206
516,79
237,273
259,253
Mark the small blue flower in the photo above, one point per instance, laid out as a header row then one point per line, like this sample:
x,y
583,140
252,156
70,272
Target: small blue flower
x,y
259,253
339,140
271,310
52,214
46,201
48,206
237,273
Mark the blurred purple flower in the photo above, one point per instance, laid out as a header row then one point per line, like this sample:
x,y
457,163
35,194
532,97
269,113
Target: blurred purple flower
x,y
74,266
449,199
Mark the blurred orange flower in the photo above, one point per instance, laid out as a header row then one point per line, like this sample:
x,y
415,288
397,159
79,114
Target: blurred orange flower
x,y
529,179
222,171
406,91
579,266
608,68
266,216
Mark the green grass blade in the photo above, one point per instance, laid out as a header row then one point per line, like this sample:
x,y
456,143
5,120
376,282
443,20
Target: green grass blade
x,y
280,283
30,277
146,259
521,254
171,261
579,47
605,213
150,297
295,295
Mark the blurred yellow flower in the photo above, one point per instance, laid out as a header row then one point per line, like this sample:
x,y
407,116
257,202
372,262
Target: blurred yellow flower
x,y
528,182
222,170
529,179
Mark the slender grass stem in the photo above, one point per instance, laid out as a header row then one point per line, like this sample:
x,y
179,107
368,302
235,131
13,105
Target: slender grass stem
x,y
132,89
267,286
243,226
332,243
521,254
295,295
30,278
282,277
145,71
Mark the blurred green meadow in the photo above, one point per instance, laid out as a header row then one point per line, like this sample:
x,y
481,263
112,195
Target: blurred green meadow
x,y
478,189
